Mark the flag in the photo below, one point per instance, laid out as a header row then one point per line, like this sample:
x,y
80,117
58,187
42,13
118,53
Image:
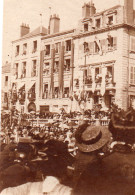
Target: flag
x,y
41,72
72,68
93,79
99,45
61,69
104,71
52,70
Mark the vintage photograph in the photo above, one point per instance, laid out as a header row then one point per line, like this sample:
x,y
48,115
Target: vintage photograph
x,y
68,97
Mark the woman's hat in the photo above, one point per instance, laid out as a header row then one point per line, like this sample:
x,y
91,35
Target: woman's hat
x,y
91,138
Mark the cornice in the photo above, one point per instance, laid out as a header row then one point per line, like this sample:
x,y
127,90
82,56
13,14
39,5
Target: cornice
x,y
98,31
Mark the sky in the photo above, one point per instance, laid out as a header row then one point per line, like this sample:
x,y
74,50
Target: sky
x,y
16,12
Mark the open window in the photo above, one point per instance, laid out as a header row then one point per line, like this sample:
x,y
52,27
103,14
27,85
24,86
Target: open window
x,y
86,27
23,70
24,49
98,23
34,67
67,65
34,46
66,92
86,47
56,66
45,92
110,20
68,45
47,49
57,47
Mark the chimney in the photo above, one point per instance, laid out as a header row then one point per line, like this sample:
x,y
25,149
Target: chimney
x,y
24,29
54,24
86,10
92,8
128,11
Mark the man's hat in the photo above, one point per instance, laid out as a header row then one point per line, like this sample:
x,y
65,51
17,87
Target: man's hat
x,y
91,138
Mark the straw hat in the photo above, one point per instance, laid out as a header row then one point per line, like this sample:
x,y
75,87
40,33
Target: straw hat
x,y
91,138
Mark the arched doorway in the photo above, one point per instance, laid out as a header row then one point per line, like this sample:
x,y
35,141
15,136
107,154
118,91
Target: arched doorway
x,y
31,107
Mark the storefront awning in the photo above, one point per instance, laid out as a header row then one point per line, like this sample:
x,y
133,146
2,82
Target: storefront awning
x,y
20,86
30,85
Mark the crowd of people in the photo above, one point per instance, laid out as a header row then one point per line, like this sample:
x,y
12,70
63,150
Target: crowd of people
x,y
69,157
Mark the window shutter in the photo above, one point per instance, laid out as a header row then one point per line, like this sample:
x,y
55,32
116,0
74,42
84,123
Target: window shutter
x,y
103,45
100,70
132,44
115,42
134,76
91,48
131,74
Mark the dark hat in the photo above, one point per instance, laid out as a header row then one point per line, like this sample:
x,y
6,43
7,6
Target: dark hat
x,y
91,138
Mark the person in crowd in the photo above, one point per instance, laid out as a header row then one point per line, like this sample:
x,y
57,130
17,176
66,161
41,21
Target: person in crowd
x,y
111,173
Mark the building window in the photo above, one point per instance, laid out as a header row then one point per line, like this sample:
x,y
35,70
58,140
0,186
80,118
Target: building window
x,y
98,23
56,66
85,27
23,70
47,49
17,50
98,75
109,75
34,46
110,20
34,67
66,92
45,93
57,47
68,45
46,68
56,92
86,47
6,80
67,65
132,75
96,47
112,42
24,49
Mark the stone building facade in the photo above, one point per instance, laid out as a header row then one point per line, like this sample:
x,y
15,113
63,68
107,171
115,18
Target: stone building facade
x,y
83,67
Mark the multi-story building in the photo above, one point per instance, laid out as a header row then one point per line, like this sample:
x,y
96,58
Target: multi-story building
x,y
79,68
104,56
25,68
57,68
5,86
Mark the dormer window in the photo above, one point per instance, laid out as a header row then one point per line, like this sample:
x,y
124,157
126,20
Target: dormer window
x,y
85,27
98,23
110,20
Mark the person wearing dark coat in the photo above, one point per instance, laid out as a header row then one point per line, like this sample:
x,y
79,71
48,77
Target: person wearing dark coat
x,y
111,174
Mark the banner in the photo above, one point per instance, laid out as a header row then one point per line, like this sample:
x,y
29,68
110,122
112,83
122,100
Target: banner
x,y
41,73
104,71
99,45
52,71
72,68
61,69
93,79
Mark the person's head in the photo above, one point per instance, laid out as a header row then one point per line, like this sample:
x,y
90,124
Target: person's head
x,y
91,139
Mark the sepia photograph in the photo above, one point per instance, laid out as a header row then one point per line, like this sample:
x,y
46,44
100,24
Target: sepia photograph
x,y
67,122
